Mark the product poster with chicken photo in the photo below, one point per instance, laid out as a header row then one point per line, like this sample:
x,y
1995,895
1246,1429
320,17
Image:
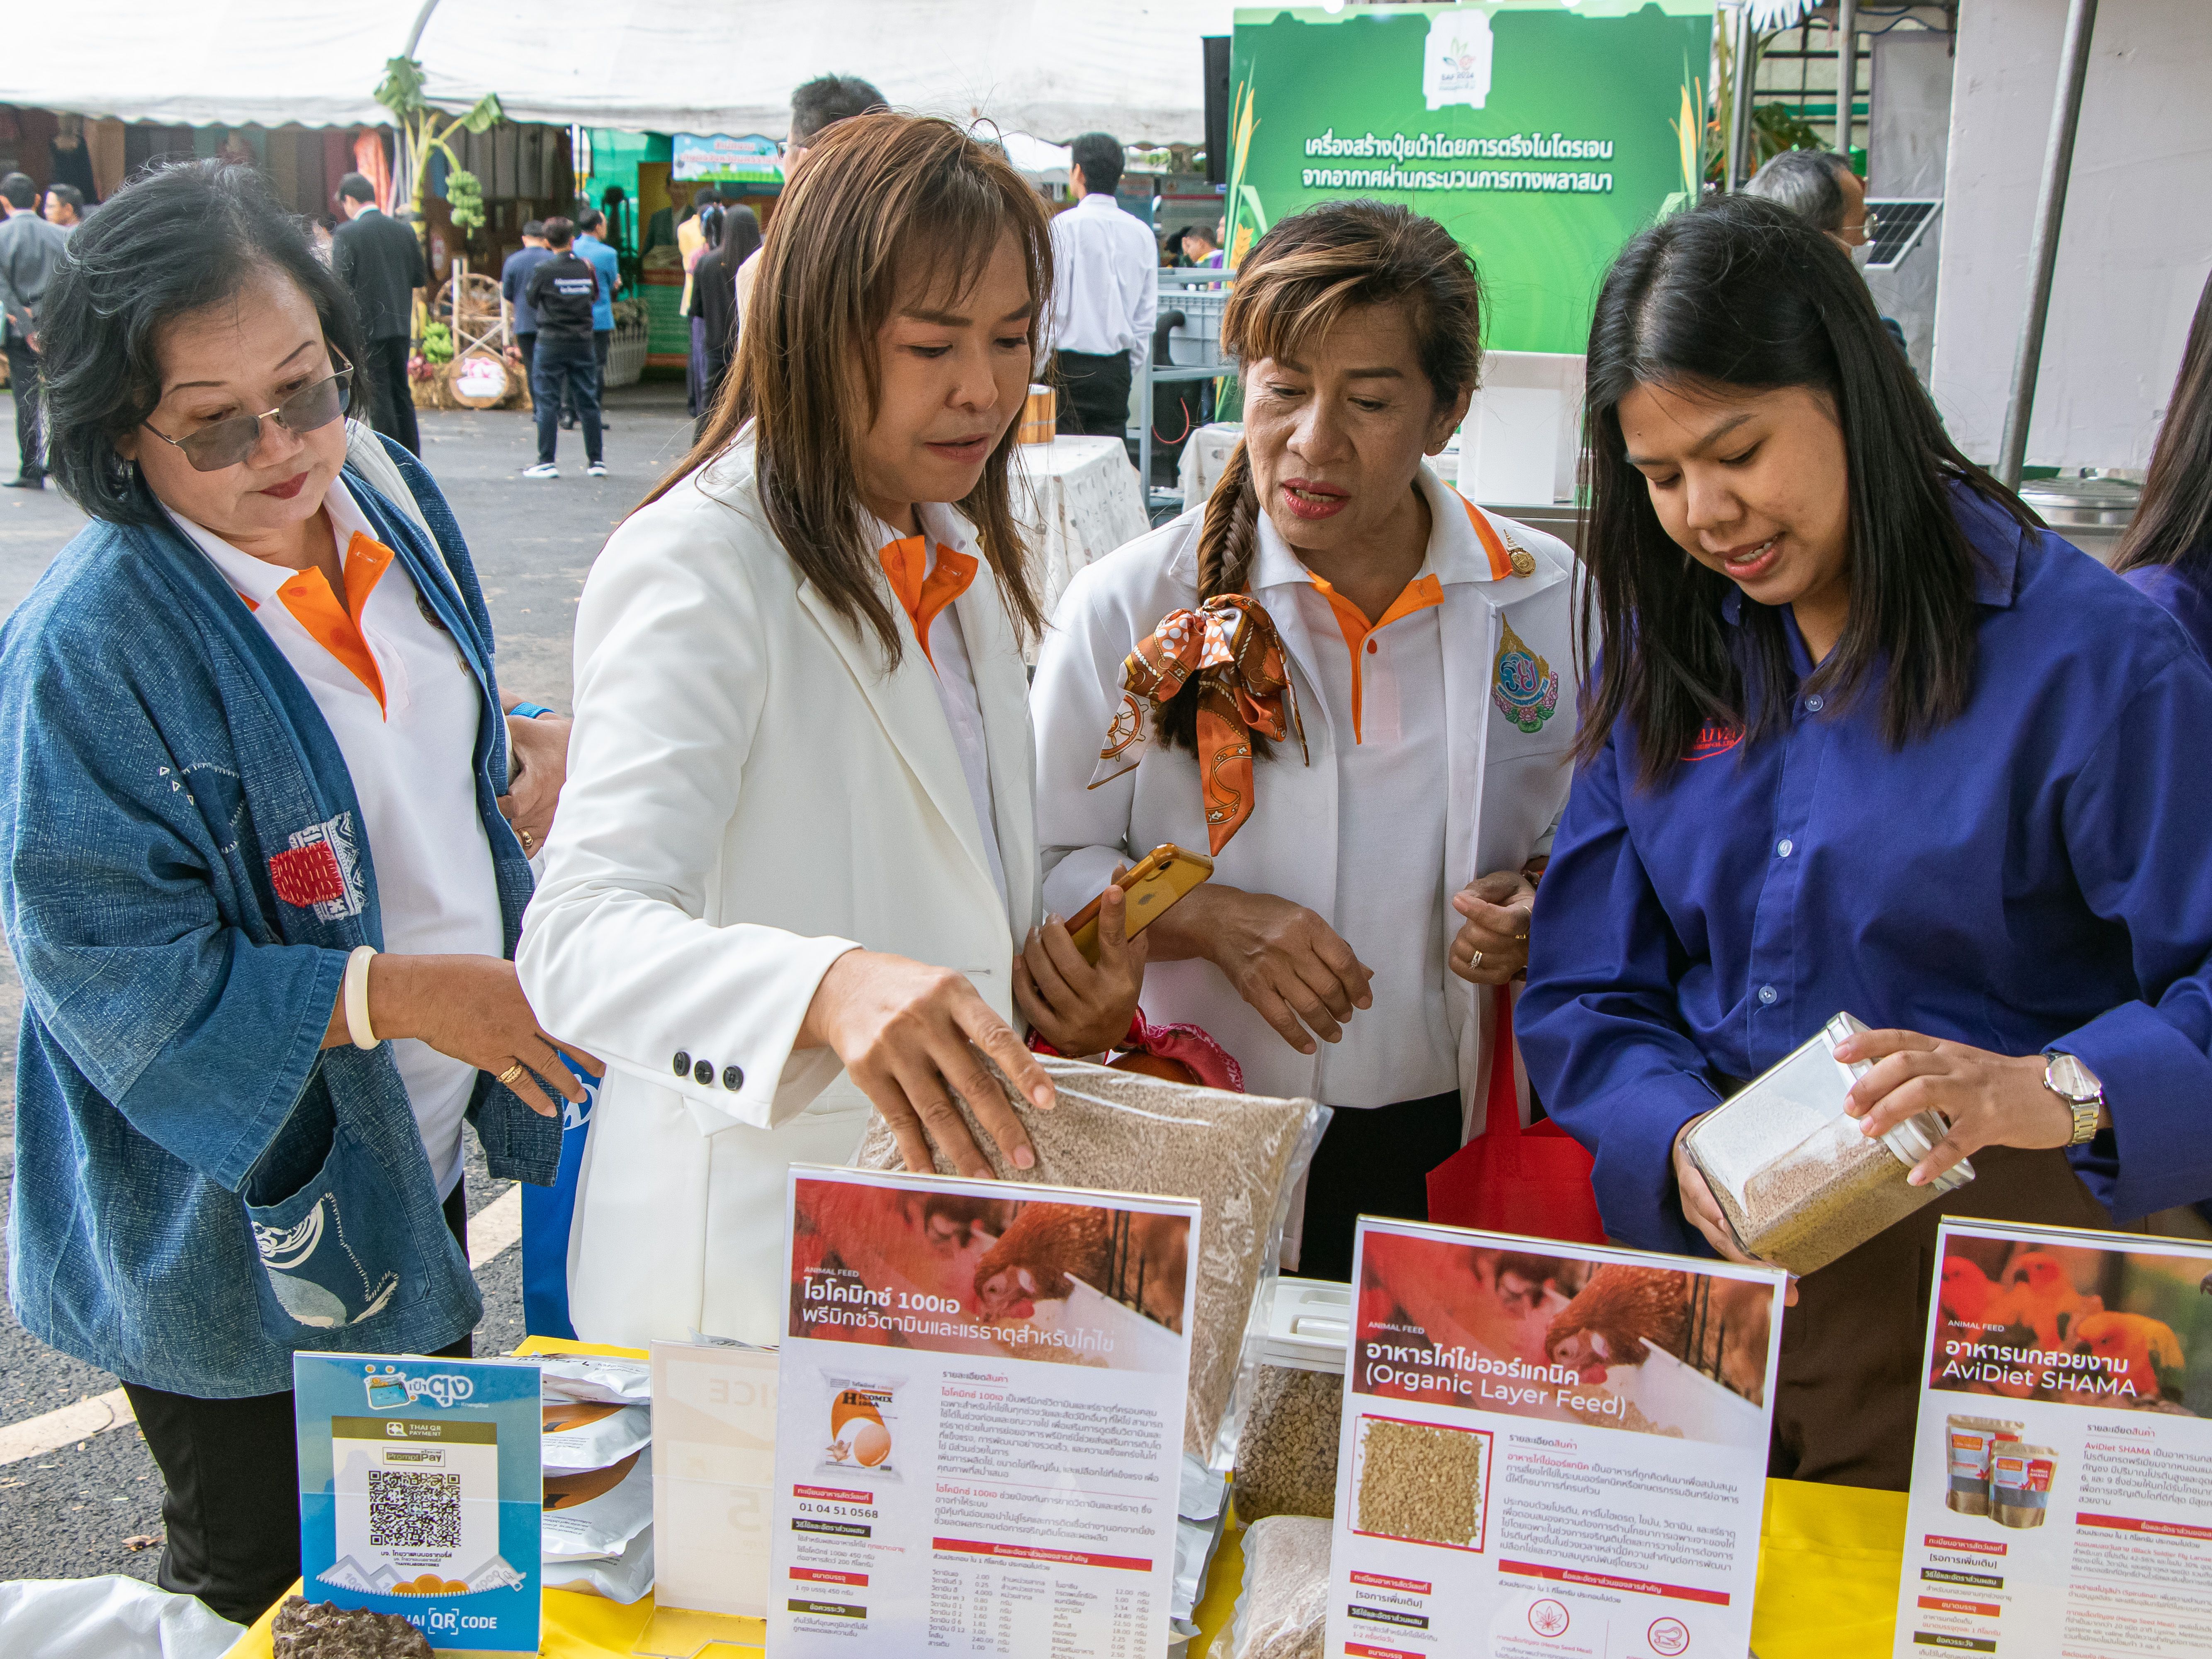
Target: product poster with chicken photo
x,y
979,1434
2062,1471
1549,1452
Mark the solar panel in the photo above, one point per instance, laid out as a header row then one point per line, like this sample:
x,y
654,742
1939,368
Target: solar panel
x,y
1897,225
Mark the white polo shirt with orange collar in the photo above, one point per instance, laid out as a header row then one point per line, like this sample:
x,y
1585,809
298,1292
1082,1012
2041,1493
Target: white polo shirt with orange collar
x,y
1384,683
403,706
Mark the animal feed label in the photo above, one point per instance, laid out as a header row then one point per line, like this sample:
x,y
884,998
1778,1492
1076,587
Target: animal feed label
x,y
2061,1470
979,1431
1548,1451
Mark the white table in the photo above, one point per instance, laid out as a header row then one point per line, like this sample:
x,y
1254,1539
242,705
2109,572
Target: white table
x,y
1205,456
1077,499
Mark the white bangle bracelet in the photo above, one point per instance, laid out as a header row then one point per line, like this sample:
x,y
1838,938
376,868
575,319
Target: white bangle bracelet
x,y
356,997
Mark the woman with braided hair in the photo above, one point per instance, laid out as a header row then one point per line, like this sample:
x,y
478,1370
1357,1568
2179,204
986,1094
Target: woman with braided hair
x,y
1347,682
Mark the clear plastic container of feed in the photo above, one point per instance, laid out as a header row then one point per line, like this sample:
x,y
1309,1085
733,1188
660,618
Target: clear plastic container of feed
x,y
1286,1455
1799,1183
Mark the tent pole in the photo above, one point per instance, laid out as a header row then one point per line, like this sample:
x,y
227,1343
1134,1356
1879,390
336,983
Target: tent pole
x,y
2042,253
421,22
1847,73
1739,101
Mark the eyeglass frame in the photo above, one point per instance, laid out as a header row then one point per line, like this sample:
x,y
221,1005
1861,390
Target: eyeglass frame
x,y
345,400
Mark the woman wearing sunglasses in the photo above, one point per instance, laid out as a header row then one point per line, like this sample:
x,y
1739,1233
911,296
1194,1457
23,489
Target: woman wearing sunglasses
x,y
252,867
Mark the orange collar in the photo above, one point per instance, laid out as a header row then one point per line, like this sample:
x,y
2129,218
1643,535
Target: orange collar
x,y
923,596
335,627
1418,594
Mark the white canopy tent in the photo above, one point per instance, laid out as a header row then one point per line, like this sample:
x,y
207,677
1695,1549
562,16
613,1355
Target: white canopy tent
x,y
1049,67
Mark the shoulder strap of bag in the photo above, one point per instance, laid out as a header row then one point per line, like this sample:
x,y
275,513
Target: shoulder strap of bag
x,y
365,454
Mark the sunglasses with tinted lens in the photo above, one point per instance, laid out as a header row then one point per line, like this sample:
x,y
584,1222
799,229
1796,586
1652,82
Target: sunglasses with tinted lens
x,y
228,441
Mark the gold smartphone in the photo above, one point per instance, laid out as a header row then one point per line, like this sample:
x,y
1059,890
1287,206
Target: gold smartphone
x,y
1153,885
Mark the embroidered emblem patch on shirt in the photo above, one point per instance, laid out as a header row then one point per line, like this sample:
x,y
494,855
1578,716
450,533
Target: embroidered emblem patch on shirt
x,y
1528,689
321,871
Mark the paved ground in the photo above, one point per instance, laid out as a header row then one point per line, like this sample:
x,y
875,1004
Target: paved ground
x,y
95,1506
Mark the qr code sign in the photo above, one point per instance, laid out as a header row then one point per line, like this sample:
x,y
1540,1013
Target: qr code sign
x,y
414,1509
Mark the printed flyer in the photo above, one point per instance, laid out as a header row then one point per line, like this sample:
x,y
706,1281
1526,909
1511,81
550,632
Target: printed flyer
x,y
1549,1452
420,1493
980,1423
2061,1473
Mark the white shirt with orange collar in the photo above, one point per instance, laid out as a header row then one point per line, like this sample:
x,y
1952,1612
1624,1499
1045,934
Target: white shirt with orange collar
x,y
407,728
1473,783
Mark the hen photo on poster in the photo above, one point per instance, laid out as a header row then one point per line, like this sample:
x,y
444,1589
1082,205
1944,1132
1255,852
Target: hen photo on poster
x,y
1549,1452
980,1395
2037,1318
1074,1283
2063,1454
1614,1345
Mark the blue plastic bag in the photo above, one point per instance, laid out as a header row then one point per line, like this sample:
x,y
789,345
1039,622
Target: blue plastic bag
x,y
547,1212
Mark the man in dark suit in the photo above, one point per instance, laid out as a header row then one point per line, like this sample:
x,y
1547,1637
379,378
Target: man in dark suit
x,y
379,258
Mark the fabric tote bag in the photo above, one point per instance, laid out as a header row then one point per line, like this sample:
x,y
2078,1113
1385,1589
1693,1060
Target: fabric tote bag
x,y
1511,1180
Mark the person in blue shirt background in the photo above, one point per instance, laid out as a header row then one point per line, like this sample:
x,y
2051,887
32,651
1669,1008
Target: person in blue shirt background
x,y
2167,551
1859,735
591,224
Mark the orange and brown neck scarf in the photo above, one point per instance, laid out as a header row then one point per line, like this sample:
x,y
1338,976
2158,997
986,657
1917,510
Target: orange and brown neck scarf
x,y
1231,644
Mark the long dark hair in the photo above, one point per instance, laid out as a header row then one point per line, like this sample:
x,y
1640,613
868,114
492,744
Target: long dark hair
x,y
179,237
1295,286
883,199
1739,293
2173,525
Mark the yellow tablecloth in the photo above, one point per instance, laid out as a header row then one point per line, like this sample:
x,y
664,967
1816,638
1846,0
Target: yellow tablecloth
x,y
1828,1561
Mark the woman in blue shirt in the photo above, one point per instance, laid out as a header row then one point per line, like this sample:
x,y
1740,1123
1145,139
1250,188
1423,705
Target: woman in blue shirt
x,y
2167,551
1860,735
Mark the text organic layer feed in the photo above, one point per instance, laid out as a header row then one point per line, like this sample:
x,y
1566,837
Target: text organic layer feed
x,y
1548,1444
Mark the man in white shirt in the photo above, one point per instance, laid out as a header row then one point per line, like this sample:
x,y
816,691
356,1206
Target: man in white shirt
x,y
1105,293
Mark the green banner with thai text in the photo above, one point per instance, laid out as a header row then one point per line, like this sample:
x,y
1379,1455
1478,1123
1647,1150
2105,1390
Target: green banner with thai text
x,y
1542,134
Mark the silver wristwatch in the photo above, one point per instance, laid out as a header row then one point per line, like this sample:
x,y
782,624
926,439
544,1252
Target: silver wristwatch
x,y
2077,1085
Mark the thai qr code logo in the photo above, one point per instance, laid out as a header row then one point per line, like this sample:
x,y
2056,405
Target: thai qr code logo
x,y
414,1509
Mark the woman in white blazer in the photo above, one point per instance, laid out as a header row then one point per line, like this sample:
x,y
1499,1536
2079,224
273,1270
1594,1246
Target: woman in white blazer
x,y
1397,664
796,858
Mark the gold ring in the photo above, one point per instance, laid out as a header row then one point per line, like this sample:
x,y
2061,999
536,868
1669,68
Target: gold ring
x,y
1520,939
512,1072
526,839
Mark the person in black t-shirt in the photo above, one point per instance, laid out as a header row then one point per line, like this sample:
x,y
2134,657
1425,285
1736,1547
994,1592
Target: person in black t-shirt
x,y
561,292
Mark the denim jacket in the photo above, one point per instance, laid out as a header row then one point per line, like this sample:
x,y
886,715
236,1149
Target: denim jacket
x,y
200,1187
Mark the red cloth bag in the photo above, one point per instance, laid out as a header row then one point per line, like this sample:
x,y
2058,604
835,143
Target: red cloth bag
x,y
1511,1180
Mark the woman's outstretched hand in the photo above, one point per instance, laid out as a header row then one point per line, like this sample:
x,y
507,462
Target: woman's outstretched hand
x,y
1078,1007
469,1008
904,1031
1989,1100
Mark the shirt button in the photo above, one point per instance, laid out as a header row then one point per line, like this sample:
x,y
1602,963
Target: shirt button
x,y
1784,848
1372,647
704,1073
682,1063
1767,993
1814,705
733,1078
